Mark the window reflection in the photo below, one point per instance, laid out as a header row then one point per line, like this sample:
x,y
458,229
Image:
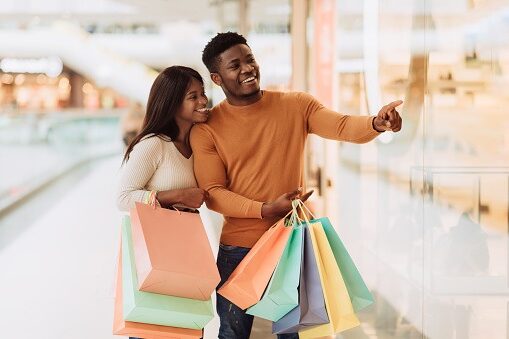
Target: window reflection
x,y
432,217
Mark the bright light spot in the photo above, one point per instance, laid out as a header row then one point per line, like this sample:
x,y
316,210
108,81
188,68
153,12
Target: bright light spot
x,y
7,79
63,83
88,88
20,79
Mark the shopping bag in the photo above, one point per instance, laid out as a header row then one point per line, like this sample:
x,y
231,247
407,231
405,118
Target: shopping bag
x,y
248,281
172,252
282,295
128,328
359,293
311,309
152,308
337,301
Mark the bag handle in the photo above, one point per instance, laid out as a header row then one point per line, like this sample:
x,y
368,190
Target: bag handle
x,y
304,210
297,203
307,209
176,209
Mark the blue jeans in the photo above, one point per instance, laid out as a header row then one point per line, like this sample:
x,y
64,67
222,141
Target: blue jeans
x,y
235,323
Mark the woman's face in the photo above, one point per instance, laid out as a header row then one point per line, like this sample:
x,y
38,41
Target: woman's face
x,y
193,107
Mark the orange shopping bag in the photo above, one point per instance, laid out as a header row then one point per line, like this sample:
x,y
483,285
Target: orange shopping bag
x,y
121,327
172,253
247,283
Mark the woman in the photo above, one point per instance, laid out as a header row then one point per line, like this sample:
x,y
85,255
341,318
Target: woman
x,y
158,163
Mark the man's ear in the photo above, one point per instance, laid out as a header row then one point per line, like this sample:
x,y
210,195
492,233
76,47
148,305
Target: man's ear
x,y
216,78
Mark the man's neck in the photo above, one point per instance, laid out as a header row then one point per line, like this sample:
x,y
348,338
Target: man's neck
x,y
244,101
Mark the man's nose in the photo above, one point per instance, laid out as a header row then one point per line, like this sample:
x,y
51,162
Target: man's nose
x,y
247,68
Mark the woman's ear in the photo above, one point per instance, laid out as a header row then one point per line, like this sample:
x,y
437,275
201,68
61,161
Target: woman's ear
x,y
216,78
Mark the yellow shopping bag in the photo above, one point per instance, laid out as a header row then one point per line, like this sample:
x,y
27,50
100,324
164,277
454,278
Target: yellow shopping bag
x,y
337,301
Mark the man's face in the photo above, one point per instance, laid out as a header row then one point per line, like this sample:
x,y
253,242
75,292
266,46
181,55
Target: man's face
x,y
238,73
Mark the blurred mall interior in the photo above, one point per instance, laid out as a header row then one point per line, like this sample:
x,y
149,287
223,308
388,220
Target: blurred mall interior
x,y
424,212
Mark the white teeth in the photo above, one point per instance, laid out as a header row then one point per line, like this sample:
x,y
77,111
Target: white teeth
x,y
248,80
202,110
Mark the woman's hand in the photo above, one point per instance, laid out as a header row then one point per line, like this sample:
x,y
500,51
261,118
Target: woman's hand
x,y
189,197
193,197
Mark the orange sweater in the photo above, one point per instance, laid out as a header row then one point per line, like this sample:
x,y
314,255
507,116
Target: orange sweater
x,y
247,155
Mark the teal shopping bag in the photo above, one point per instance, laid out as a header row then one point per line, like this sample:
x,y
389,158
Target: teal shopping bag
x,y
152,308
281,295
357,289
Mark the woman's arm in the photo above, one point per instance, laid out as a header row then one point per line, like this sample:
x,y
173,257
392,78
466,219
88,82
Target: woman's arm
x,y
137,171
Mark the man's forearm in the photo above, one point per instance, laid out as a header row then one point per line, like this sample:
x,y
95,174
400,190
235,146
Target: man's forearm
x,y
231,204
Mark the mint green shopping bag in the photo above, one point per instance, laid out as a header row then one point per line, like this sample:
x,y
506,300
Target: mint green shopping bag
x,y
357,289
152,308
281,295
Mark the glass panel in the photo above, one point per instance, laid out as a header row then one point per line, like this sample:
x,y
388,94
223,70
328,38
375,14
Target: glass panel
x,y
425,211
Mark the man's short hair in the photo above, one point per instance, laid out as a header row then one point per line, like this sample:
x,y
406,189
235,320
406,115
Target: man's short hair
x,y
220,43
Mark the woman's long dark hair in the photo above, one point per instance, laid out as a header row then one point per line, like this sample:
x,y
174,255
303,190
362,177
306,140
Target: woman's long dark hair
x,y
166,97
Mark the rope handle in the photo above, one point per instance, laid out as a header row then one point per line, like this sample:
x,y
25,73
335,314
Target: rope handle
x,y
307,209
176,209
304,210
295,218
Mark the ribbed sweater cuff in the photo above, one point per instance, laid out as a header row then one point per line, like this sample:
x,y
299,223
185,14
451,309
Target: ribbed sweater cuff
x,y
255,210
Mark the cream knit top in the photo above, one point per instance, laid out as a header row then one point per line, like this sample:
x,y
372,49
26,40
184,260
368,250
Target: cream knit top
x,y
155,164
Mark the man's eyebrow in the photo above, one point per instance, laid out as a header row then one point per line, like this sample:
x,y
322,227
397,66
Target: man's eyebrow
x,y
234,60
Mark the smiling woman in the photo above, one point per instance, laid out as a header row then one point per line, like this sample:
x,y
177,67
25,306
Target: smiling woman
x,y
158,162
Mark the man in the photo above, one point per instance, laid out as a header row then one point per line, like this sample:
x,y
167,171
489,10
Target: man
x,y
249,156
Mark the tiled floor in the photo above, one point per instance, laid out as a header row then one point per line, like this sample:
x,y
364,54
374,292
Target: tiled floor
x,y
57,259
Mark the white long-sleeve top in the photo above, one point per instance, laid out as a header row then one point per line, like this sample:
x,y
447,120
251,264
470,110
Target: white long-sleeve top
x,y
155,164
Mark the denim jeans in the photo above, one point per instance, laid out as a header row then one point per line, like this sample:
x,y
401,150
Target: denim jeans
x,y
235,323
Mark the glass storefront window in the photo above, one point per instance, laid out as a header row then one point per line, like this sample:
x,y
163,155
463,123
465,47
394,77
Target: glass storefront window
x,y
425,211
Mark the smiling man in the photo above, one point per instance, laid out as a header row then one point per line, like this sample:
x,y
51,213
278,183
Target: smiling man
x,y
249,156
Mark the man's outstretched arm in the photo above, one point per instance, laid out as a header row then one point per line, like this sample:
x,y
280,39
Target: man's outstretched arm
x,y
351,128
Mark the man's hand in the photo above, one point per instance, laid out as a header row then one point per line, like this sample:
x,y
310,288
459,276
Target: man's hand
x,y
282,205
388,119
